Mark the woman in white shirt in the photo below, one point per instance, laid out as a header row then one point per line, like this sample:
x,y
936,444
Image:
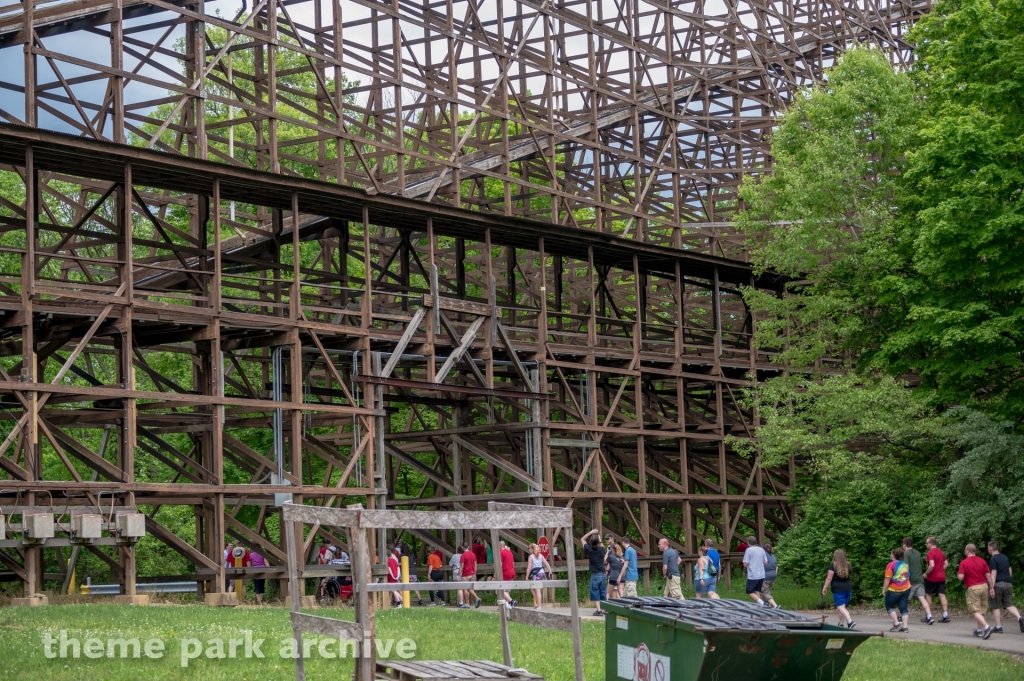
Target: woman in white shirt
x,y
537,568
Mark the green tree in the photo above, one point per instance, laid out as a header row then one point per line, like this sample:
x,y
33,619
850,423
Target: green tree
x,y
961,207
824,215
983,497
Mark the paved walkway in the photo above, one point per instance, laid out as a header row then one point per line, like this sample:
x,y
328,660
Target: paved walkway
x,y
958,632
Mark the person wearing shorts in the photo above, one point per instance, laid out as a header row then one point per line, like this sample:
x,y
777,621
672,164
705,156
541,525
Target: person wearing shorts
x,y
595,553
632,571
467,562
975,575
896,589
935,577
1001,593
670,570
840,578
701,575
914,561
755,560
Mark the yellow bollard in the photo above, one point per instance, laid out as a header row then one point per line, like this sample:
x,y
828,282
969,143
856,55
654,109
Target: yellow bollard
x,y
239,562
406,602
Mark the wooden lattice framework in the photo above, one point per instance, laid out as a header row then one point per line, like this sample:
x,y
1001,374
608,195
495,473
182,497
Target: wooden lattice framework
x,y
539,303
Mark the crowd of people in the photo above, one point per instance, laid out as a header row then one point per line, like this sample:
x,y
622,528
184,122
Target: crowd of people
x,y
909,576
613,567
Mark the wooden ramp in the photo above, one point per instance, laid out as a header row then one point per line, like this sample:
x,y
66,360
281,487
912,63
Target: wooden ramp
x,y
445,670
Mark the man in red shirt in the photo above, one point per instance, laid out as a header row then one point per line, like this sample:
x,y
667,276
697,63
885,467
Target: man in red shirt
x,y
480,551
394,574
467,561
508,571
974,573
935,577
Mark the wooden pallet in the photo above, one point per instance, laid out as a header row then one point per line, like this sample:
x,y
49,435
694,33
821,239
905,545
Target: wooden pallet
x,y
447,670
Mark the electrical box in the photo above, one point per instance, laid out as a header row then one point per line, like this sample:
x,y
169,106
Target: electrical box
x,y
39,526
131,525
87,526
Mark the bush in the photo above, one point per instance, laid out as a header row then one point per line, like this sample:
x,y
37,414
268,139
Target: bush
x,y
865,515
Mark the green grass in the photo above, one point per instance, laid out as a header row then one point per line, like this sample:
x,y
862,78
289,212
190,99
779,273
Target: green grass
x,y
439,634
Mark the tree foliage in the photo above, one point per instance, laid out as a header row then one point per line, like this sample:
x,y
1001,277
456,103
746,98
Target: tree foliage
x,y
895,207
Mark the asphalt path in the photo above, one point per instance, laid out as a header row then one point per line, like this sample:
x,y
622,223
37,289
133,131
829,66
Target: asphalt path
x,y
959,632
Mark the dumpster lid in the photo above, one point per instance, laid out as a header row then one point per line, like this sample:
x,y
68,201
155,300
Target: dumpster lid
x,y
719,614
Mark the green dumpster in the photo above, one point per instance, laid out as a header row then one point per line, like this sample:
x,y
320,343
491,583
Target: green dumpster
x,y
664,639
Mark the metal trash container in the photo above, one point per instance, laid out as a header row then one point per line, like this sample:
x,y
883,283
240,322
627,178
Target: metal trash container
x,y
663,639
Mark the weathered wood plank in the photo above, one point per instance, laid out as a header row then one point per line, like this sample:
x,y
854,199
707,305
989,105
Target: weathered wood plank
x,y
539,618
434,520
326,626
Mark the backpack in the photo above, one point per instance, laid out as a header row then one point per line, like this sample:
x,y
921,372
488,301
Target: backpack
x,y
712,570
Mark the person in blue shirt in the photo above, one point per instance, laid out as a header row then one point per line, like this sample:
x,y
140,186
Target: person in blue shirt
x,y
632,573
716,560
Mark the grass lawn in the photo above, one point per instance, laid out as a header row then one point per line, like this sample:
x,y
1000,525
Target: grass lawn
x,y
438,633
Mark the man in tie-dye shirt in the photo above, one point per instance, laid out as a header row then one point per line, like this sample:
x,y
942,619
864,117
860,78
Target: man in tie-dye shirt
x,y
896,589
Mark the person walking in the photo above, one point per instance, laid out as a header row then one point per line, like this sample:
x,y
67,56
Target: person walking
x,y
1001,592
632,573
771,573
670,570
935,577
915,564
394,575
714,569
755,560
434,575
537,568
405,550
595,553
455,563
468,574
508,571
616,567
701,576
974,573
840,578
258,585
896,590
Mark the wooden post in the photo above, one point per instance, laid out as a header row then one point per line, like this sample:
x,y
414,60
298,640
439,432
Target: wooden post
x,y
366,653
506,643
574,610
291,531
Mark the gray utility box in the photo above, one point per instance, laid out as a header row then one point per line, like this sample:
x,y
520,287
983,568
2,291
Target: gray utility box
x,y
38,526
131,525
87,526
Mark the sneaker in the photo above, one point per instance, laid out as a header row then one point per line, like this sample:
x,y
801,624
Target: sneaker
x,y
514,603
598,613
997,630
977,632
904,630
1020,621
778,607
945,620
537,608
851,624
927,620
478,602
895,627
464,606
431,604
419,601
986,633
